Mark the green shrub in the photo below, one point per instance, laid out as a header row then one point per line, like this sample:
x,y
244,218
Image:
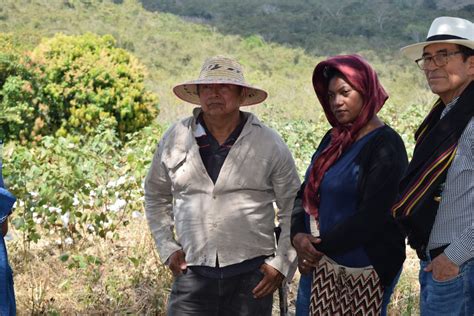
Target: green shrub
x,y
70,187
71,84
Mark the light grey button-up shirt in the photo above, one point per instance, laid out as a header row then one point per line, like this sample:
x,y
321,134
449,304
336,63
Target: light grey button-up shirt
x,y
233,218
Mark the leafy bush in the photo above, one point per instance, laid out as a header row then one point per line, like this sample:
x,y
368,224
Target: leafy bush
x,y
71,84
17,111
68,188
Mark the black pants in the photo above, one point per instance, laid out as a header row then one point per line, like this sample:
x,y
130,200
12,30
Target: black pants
x,y
193,294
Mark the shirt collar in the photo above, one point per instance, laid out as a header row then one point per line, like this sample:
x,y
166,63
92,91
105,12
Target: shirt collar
x,y
449,106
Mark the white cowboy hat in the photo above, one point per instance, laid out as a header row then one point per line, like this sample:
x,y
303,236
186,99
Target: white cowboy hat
x,y
219,70
444,30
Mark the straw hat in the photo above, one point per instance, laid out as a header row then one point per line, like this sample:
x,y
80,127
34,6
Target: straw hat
x,y
221,70
444,30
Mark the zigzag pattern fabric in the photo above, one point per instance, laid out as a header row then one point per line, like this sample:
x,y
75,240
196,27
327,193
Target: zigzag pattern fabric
x,y
339,290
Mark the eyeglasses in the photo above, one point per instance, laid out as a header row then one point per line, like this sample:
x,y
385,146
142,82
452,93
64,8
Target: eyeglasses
x,y
440,59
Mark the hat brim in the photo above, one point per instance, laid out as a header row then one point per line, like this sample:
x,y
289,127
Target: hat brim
x,y
188,91
415,51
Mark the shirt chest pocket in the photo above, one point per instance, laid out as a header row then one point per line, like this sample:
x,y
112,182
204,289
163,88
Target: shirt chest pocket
x,y
179,170
254,173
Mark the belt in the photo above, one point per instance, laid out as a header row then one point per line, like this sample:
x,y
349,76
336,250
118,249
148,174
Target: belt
x,y
437,251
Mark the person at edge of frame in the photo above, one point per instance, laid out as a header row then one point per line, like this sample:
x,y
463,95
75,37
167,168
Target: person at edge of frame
x,y
7,292
436,198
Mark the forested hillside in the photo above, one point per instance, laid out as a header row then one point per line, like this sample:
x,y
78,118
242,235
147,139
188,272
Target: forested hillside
x,y
321,26
173,50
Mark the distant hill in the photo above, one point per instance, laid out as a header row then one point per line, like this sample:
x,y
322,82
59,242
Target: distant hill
x,y
321,26
173,50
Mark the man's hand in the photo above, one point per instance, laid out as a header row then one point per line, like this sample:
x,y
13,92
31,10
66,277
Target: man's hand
x,y
177,263
272,279
442,268
308,256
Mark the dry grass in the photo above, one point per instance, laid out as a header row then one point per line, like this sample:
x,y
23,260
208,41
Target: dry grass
x,y
100,277
405,299
128,278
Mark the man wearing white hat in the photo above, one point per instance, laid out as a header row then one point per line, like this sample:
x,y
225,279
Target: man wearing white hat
x,y
436,203
209,198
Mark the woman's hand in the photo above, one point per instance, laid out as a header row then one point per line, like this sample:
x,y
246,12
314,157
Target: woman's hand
x,y
308,256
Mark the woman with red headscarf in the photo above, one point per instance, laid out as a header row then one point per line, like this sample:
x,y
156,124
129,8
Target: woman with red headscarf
x,y
350,250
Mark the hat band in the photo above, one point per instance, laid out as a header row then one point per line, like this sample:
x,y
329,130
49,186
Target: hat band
x,y
444,37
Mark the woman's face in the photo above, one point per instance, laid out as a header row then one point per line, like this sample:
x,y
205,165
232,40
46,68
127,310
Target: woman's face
x,y
345,102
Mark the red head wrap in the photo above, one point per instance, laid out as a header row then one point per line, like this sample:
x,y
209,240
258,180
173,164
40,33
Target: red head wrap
x,y
362,78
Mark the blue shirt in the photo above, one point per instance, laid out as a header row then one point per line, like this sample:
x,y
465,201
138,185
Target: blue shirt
x,y
339,198
7,295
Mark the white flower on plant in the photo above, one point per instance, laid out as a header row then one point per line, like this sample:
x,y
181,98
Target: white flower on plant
x,y
75,200
34,194
115,183
53,209
36,218
137,214
68,241
118,205
92,193
70,146
121,180
65,219
21,203
90,228
111,184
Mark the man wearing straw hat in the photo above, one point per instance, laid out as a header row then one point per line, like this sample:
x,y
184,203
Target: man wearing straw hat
x,y
436,203
209,198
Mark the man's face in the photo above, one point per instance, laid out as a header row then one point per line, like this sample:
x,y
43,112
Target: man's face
x,y
450,80
220,99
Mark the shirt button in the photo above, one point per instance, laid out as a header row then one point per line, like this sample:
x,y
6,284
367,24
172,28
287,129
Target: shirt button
x,y
214,225
214,197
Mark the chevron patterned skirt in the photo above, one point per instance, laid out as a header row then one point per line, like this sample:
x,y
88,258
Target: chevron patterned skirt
x,y
341,290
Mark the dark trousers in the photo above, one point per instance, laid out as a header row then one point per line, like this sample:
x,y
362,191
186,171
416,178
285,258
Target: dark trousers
x,y
193,294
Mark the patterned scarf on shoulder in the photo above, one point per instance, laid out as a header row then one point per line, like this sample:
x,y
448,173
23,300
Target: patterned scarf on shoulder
x,y
421,187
